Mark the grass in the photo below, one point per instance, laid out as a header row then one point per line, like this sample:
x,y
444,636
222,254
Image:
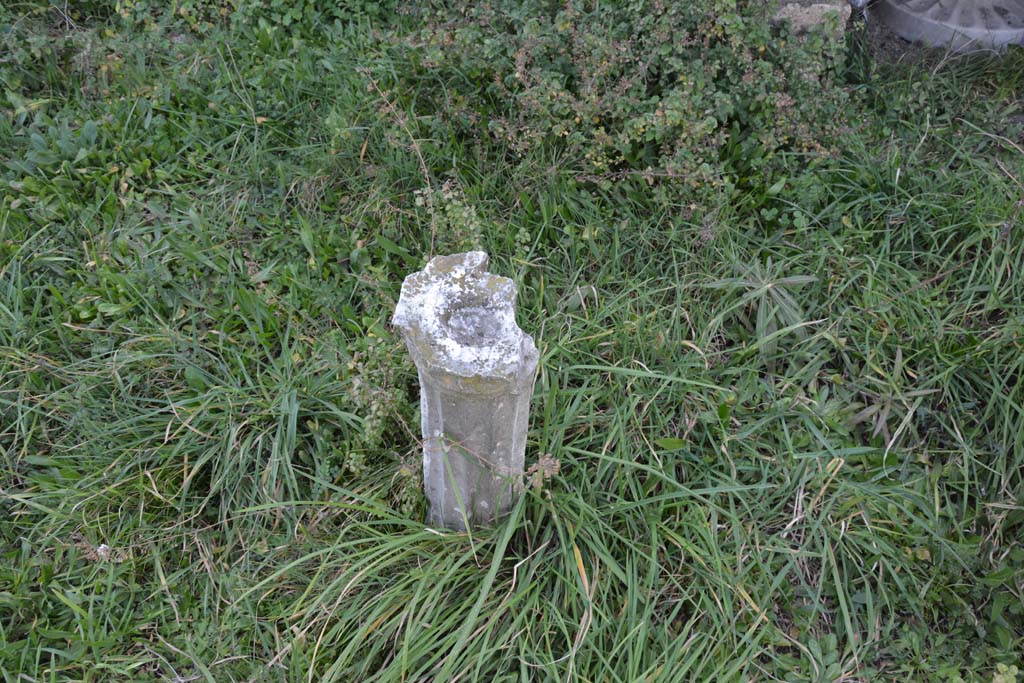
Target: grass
x,y
788,451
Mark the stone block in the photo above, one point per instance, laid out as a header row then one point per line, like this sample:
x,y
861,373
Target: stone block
x,y
476,371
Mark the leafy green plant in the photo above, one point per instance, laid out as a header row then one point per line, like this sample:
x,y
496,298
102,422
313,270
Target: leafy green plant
x,y
303,17
767,292
692,98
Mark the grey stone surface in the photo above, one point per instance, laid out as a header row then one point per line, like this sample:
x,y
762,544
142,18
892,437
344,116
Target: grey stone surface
x,y
960,25
477,370
805,16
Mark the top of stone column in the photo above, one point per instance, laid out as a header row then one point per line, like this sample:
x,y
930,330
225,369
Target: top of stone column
x,y
459,320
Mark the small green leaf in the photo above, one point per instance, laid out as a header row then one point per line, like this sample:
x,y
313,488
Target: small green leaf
x,y
89,132
108,308
777,186
392,248
999,577
194,378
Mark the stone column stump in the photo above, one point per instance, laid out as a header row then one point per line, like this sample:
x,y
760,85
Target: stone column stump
x,y
476,370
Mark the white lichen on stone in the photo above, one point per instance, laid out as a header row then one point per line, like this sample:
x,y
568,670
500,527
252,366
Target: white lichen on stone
x,y
461,318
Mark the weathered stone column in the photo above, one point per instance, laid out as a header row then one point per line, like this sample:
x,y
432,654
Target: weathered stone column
x,y
476,370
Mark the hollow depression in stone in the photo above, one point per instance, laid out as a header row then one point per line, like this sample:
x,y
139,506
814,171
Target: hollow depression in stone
x,y
477,326
459,320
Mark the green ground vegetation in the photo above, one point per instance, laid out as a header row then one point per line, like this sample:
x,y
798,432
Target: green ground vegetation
x,y
777,285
